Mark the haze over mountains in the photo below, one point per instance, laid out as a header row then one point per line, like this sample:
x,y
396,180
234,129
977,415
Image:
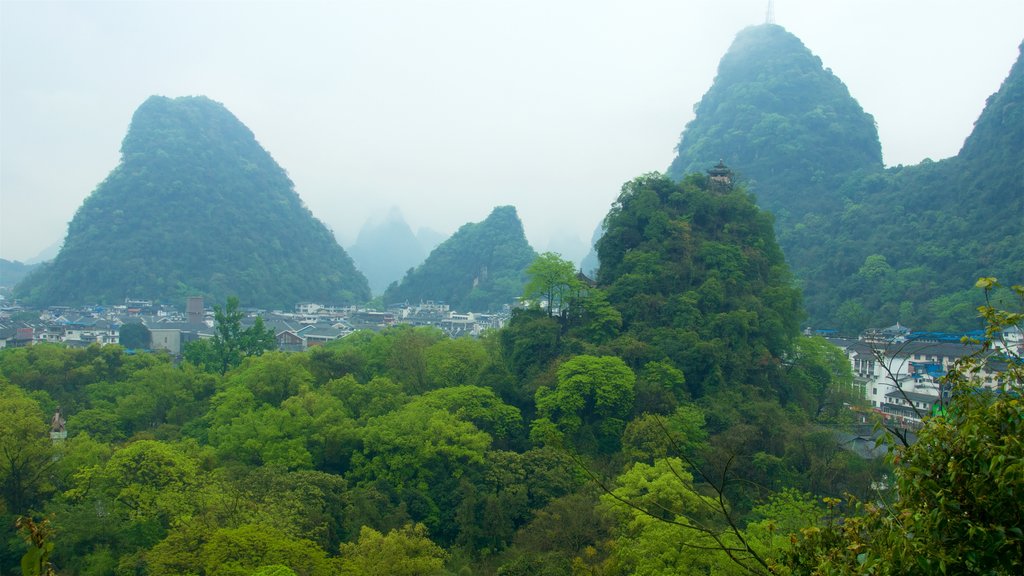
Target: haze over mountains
x,y
481,267
12,272
384,250
724,438
869,246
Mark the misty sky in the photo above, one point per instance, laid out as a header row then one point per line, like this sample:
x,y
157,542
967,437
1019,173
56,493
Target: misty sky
x,y
448,108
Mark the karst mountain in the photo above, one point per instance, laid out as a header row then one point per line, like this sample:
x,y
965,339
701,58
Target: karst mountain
x,y
195,207
869,246
481,267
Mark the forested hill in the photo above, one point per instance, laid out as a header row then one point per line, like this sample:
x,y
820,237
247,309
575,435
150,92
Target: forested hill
x,y
481,267
196,206
698,278
780,120
870,246
908,243
404,451
998,134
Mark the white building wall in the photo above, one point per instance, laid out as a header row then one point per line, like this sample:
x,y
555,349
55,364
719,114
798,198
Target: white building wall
x,y
166,339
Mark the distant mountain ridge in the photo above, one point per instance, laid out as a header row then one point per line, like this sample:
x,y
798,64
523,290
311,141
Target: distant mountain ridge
x,y
196,206
385,250
13,271
869,246
481,267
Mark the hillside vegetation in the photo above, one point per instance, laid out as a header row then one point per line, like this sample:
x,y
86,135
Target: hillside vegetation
x,y
782,122
869,246
406,448
669,420
907,243
481,267
195,207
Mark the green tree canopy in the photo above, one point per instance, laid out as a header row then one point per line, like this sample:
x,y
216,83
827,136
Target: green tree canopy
x,y
26,453
552,282
591,402
665,526
134,335
250,548
230,343
698,277
404,552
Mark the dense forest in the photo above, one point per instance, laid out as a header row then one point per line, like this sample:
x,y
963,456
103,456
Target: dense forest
x,y
670,419
906,243
869,246
196,207
481,267
406,452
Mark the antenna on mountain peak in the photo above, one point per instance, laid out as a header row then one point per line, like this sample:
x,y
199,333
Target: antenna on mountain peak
x,y
769,17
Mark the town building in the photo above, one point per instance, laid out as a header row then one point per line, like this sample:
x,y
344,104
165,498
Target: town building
x,y
899,373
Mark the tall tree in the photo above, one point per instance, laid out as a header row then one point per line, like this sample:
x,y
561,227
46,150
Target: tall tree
x,y
405,552
552,282
230,343
25,451
134,335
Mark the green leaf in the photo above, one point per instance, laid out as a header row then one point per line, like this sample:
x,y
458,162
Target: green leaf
x,y
31,562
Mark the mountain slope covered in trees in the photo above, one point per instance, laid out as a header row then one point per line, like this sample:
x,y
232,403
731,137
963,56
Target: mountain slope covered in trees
x,y
481,267
404,451
870,246
781,121
669,419
698,277
907,243
196,206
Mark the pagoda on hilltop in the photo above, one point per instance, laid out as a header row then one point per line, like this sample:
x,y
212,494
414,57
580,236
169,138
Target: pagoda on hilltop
x,y
720,178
